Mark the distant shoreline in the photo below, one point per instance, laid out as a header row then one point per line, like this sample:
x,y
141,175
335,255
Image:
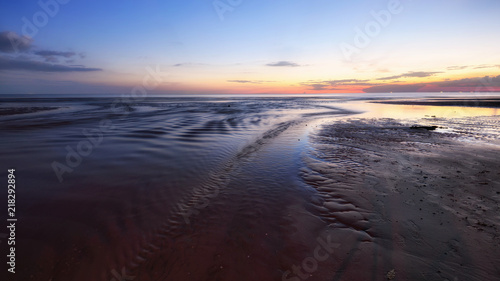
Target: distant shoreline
x,y
478,102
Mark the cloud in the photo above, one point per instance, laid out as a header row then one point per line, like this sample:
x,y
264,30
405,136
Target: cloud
x,y
249,81
355,82
411,74
55,53
478,84
473,66
394,88
244,81
52,56
319,87
333,84
51,59
35,60
283,63
460,67
486,66
30,65
12,42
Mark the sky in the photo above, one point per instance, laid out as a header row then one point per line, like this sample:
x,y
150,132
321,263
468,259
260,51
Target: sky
x,y
251,47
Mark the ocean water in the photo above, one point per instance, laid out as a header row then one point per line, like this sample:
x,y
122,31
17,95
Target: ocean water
x,y
180,188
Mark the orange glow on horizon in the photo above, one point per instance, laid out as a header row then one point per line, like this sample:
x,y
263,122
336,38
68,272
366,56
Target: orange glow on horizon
x,y
446,82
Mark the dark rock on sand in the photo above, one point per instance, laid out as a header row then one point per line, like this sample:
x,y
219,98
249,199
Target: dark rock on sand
x,y
429,128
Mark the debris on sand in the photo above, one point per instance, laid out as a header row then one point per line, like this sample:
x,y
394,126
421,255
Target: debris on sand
x,y
429,128
391,274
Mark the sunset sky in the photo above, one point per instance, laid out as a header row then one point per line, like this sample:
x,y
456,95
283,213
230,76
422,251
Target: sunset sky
x,y
238,46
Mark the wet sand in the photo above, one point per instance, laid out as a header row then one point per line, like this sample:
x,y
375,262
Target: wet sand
x,y
420,202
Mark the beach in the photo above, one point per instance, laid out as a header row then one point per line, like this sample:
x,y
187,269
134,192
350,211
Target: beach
x,y
422,203
254,188
232,140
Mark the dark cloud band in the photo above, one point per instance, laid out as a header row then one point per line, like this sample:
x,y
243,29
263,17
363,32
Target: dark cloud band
x,y
18,64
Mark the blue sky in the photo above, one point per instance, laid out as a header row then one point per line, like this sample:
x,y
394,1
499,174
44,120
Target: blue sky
x,y
256,47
